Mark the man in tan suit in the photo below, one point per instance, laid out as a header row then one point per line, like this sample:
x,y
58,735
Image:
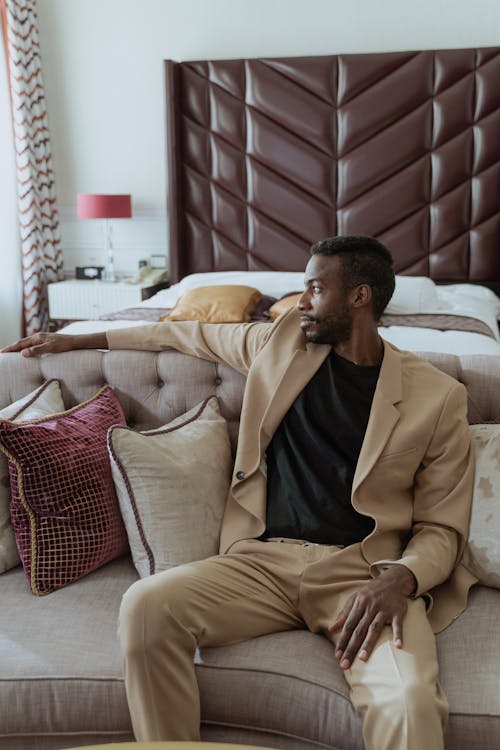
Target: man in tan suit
x,y
347,514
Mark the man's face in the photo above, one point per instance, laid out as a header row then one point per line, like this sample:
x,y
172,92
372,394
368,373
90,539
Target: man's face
x,y
326,315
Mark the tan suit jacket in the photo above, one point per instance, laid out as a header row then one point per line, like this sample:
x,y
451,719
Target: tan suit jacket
x,y
415,471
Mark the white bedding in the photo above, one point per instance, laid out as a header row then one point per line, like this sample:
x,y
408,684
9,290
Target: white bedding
x,y
448,342
413,295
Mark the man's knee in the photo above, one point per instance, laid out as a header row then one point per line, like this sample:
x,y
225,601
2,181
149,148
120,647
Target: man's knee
x,y
418,700
145,616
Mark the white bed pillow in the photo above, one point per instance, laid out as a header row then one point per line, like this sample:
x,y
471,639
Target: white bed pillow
x,y
270,283
482,554
172,485
42,402
475,291
457,300
413,294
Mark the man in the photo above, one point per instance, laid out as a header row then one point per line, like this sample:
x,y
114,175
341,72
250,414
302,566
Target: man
x,y
349,503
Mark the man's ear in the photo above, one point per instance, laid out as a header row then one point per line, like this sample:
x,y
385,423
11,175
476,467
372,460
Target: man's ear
x,y
361,295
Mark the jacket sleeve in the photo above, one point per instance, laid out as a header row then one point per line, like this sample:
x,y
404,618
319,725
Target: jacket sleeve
x,y
236,344
442,498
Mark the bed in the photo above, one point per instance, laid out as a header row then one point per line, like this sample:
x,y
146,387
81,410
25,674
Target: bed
x,y
266,156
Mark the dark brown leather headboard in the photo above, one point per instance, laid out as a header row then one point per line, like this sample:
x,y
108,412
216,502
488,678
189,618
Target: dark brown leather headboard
x,y
267,156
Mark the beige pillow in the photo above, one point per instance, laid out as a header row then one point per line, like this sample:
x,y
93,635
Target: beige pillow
x,y
225,303
172,485
482,554
284,304
42,402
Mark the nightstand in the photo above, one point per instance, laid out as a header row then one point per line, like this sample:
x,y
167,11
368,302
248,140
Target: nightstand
x,y
87,300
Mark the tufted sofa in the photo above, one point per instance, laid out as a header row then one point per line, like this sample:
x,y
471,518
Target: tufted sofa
x,y
60,669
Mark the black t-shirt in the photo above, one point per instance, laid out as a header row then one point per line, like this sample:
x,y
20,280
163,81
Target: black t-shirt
x,y
312,457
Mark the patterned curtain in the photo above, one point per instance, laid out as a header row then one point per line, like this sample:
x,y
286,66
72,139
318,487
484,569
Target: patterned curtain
x,y
38,217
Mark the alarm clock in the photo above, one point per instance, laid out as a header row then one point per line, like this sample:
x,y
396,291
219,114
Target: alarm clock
x,y
89,272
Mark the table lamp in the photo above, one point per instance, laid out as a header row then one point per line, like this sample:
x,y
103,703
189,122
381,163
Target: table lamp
x,y
90,206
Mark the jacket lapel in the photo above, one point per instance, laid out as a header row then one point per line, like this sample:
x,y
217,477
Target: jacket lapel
x,y
383,415
290,378
299,370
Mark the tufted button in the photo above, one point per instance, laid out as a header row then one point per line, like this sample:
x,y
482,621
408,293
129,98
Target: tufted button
x,y
240,475
218,380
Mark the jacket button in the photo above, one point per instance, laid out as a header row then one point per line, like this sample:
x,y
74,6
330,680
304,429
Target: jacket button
x,y
240,475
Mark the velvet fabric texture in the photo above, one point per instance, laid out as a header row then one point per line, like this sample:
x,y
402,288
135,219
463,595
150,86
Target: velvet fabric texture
x,y
41,402
64,510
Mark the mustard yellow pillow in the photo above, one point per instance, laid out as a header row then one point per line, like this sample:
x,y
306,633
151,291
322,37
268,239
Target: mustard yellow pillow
x,y
284,304
225,303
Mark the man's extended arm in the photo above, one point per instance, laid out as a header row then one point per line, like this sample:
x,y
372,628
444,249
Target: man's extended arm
x,y
236,344
54,343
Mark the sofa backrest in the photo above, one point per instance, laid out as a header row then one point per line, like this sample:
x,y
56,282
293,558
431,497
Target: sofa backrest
x,y
155,387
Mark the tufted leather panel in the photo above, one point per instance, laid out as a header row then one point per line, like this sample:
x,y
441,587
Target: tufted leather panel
x,y
267,156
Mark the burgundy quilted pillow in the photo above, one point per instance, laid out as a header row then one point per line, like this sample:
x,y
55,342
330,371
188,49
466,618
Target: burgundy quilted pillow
x,y
64,509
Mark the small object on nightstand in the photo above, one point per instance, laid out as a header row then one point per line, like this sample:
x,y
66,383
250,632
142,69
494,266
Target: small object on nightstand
x,y
88,272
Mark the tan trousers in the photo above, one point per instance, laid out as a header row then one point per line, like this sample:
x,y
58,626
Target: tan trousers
x,y
265,587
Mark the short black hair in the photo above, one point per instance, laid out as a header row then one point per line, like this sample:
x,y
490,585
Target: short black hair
x,y
365,260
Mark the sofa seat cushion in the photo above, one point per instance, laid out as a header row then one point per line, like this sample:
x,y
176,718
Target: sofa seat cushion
x,y
285,683
60,665
289,683
469,659
61,675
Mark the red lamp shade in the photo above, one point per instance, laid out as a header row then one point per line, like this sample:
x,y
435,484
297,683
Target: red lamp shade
x,y
90,206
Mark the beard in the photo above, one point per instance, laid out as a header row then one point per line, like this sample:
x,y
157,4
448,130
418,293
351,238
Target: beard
x,y
333,329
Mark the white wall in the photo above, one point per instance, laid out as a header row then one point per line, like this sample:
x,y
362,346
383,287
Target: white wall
x,y
103,74
10,253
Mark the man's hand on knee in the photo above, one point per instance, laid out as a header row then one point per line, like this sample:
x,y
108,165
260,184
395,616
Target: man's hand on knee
x,y
381,602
